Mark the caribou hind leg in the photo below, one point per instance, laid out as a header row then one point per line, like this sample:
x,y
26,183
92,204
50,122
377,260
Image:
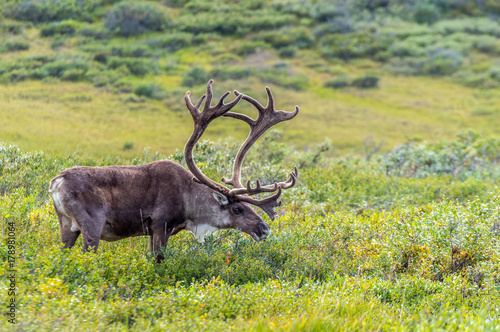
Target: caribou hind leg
x,y
69,234
90,224
91,231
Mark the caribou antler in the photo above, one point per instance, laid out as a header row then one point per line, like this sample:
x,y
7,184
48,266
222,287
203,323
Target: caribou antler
x,y
267,118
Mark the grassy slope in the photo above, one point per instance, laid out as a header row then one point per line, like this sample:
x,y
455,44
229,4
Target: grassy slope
x,y
97,122
64,117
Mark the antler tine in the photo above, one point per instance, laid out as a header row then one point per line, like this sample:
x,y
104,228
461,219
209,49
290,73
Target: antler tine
x,y
267,204
248,190
254,102
201,121
291,180
210,94
270,99
194,110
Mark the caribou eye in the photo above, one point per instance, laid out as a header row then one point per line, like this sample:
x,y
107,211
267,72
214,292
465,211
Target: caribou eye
x,y
237,210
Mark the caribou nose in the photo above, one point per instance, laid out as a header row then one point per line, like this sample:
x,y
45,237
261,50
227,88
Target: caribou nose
x,y
264,229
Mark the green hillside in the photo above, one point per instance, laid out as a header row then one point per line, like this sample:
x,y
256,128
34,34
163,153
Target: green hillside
x,y
78,76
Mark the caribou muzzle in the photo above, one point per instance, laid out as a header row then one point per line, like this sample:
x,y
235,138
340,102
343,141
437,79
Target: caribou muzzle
x,y
262,231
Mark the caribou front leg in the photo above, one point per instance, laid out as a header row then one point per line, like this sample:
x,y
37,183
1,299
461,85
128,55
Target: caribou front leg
x,y
158,241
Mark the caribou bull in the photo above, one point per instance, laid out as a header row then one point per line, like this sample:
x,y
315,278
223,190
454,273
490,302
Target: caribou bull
x,y
162,198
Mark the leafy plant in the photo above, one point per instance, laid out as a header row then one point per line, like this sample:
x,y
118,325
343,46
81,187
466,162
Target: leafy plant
x,y
133,18
366,82
426,12
15,45
136,66
68,27
149,90
40,11
195,76
338,82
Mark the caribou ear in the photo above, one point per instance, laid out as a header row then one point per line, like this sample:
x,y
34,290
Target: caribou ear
x,y
220,198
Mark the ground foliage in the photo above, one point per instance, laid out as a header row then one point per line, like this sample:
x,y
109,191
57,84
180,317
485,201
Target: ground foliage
x,y
396,242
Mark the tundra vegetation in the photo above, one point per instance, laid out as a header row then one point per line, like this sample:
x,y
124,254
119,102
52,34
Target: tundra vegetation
x,y
396,236
408,240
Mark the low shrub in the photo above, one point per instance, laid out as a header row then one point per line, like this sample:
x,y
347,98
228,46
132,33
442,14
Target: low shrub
x,y
131,51
101,57
15,45
426,13
494,73
298,37
136,66
354,45
469,155
222,23
284,78
14,28
171,42
475,26
128,146
338,82
133,18
228,72
492,7
195,76
68,27
69,69
442,62
41,11
366,82
57,42
487,44
288,52
336,25
247,47
406,48
265,19
149,90
324,11
231,22
94,32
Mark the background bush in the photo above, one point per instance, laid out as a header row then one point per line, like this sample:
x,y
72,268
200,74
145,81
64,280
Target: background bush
x,y
136,66
40,11
366,82
68,27
15,45
149,90
133,18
